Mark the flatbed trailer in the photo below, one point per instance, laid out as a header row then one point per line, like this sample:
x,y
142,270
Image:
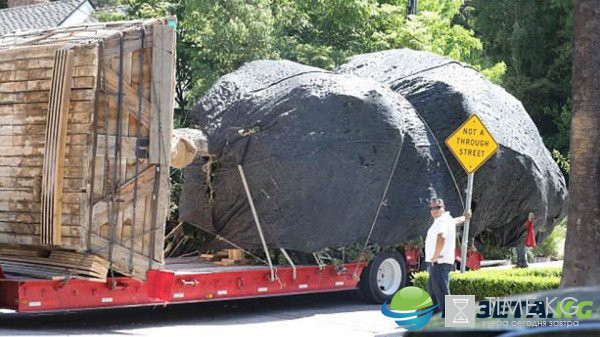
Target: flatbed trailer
x,y
192,279
182,280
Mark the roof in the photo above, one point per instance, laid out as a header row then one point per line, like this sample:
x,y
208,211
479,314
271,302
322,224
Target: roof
x,y
39,16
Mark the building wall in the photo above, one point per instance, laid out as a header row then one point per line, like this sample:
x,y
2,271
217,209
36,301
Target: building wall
x,y
81,15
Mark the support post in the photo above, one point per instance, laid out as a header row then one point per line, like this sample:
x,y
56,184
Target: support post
x,y
294,271
465,237
255,215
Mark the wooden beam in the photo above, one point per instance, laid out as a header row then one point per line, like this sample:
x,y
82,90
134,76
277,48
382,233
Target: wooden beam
x,y
55,148
162,94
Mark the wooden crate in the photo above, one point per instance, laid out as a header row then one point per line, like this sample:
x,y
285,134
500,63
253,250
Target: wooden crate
x,y
85,134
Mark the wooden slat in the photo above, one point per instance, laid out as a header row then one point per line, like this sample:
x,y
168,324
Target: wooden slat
x,y
29,52
43,96
55,148
47,62
130,96
35,217
125,194
59,261
34,229
86,82
128,146
34,240
41,51
28,109
162,96
132,43
121,255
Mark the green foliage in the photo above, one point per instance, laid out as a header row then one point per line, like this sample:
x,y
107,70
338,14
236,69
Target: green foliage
x,y
498,282
447,8
534,39
495,73
107,16
416,243
552,244
216,37
224,35
493,252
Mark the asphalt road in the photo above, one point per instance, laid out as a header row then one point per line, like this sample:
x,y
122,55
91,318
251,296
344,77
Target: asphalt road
x,y
331,314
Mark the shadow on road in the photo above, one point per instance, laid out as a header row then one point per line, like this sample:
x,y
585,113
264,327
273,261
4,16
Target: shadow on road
x,y
248,311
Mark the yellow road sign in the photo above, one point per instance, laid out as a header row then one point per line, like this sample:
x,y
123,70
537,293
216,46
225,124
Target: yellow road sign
x,y
472,144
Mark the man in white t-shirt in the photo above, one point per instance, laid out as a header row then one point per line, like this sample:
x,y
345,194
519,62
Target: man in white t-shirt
x,y
440,245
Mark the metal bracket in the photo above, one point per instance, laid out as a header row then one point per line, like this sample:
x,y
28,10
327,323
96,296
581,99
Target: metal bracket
x,y
319,261
290,262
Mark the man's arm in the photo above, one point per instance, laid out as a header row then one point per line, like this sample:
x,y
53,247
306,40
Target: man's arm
x,y
439,244
461,219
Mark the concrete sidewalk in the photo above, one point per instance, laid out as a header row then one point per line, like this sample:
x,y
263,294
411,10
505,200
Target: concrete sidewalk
x,y
531,265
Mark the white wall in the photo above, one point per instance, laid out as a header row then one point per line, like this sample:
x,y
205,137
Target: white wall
x,y
80,15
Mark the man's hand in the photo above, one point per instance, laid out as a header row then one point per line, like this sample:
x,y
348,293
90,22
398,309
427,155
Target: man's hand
x,y
466,216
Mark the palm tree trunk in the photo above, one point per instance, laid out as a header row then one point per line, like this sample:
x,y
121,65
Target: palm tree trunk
x,y
582,253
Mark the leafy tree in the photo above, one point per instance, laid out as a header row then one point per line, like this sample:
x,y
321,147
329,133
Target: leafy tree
x,y
225,34
534,39
218,36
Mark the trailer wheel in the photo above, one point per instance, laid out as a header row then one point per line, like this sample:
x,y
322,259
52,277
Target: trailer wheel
x,y
382,278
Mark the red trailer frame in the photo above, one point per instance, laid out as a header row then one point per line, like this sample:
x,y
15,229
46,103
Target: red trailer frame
x,y
186,280
196,282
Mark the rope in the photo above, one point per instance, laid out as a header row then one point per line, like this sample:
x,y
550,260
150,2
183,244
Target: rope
x,y
395,86
381,202
445,160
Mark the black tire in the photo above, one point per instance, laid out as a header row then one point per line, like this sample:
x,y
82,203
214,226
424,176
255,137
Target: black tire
x,y
368,288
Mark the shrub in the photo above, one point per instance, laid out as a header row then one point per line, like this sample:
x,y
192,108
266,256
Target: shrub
x,y
497,282
552,244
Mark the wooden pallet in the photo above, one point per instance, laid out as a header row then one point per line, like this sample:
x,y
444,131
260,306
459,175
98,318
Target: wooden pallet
x,y
226,257
55,264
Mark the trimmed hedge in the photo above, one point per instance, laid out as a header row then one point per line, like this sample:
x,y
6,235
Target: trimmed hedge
x,y
497,282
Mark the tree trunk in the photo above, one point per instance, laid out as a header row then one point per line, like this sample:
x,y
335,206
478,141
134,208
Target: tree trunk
x,y
186,145
582,253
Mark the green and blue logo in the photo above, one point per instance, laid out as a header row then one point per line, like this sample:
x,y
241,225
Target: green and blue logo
x,y
412,308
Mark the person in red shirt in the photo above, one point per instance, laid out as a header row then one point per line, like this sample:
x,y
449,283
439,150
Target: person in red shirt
x,y
528,242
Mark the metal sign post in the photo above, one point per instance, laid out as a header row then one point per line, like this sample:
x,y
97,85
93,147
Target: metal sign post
x,y
472,145
465,238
